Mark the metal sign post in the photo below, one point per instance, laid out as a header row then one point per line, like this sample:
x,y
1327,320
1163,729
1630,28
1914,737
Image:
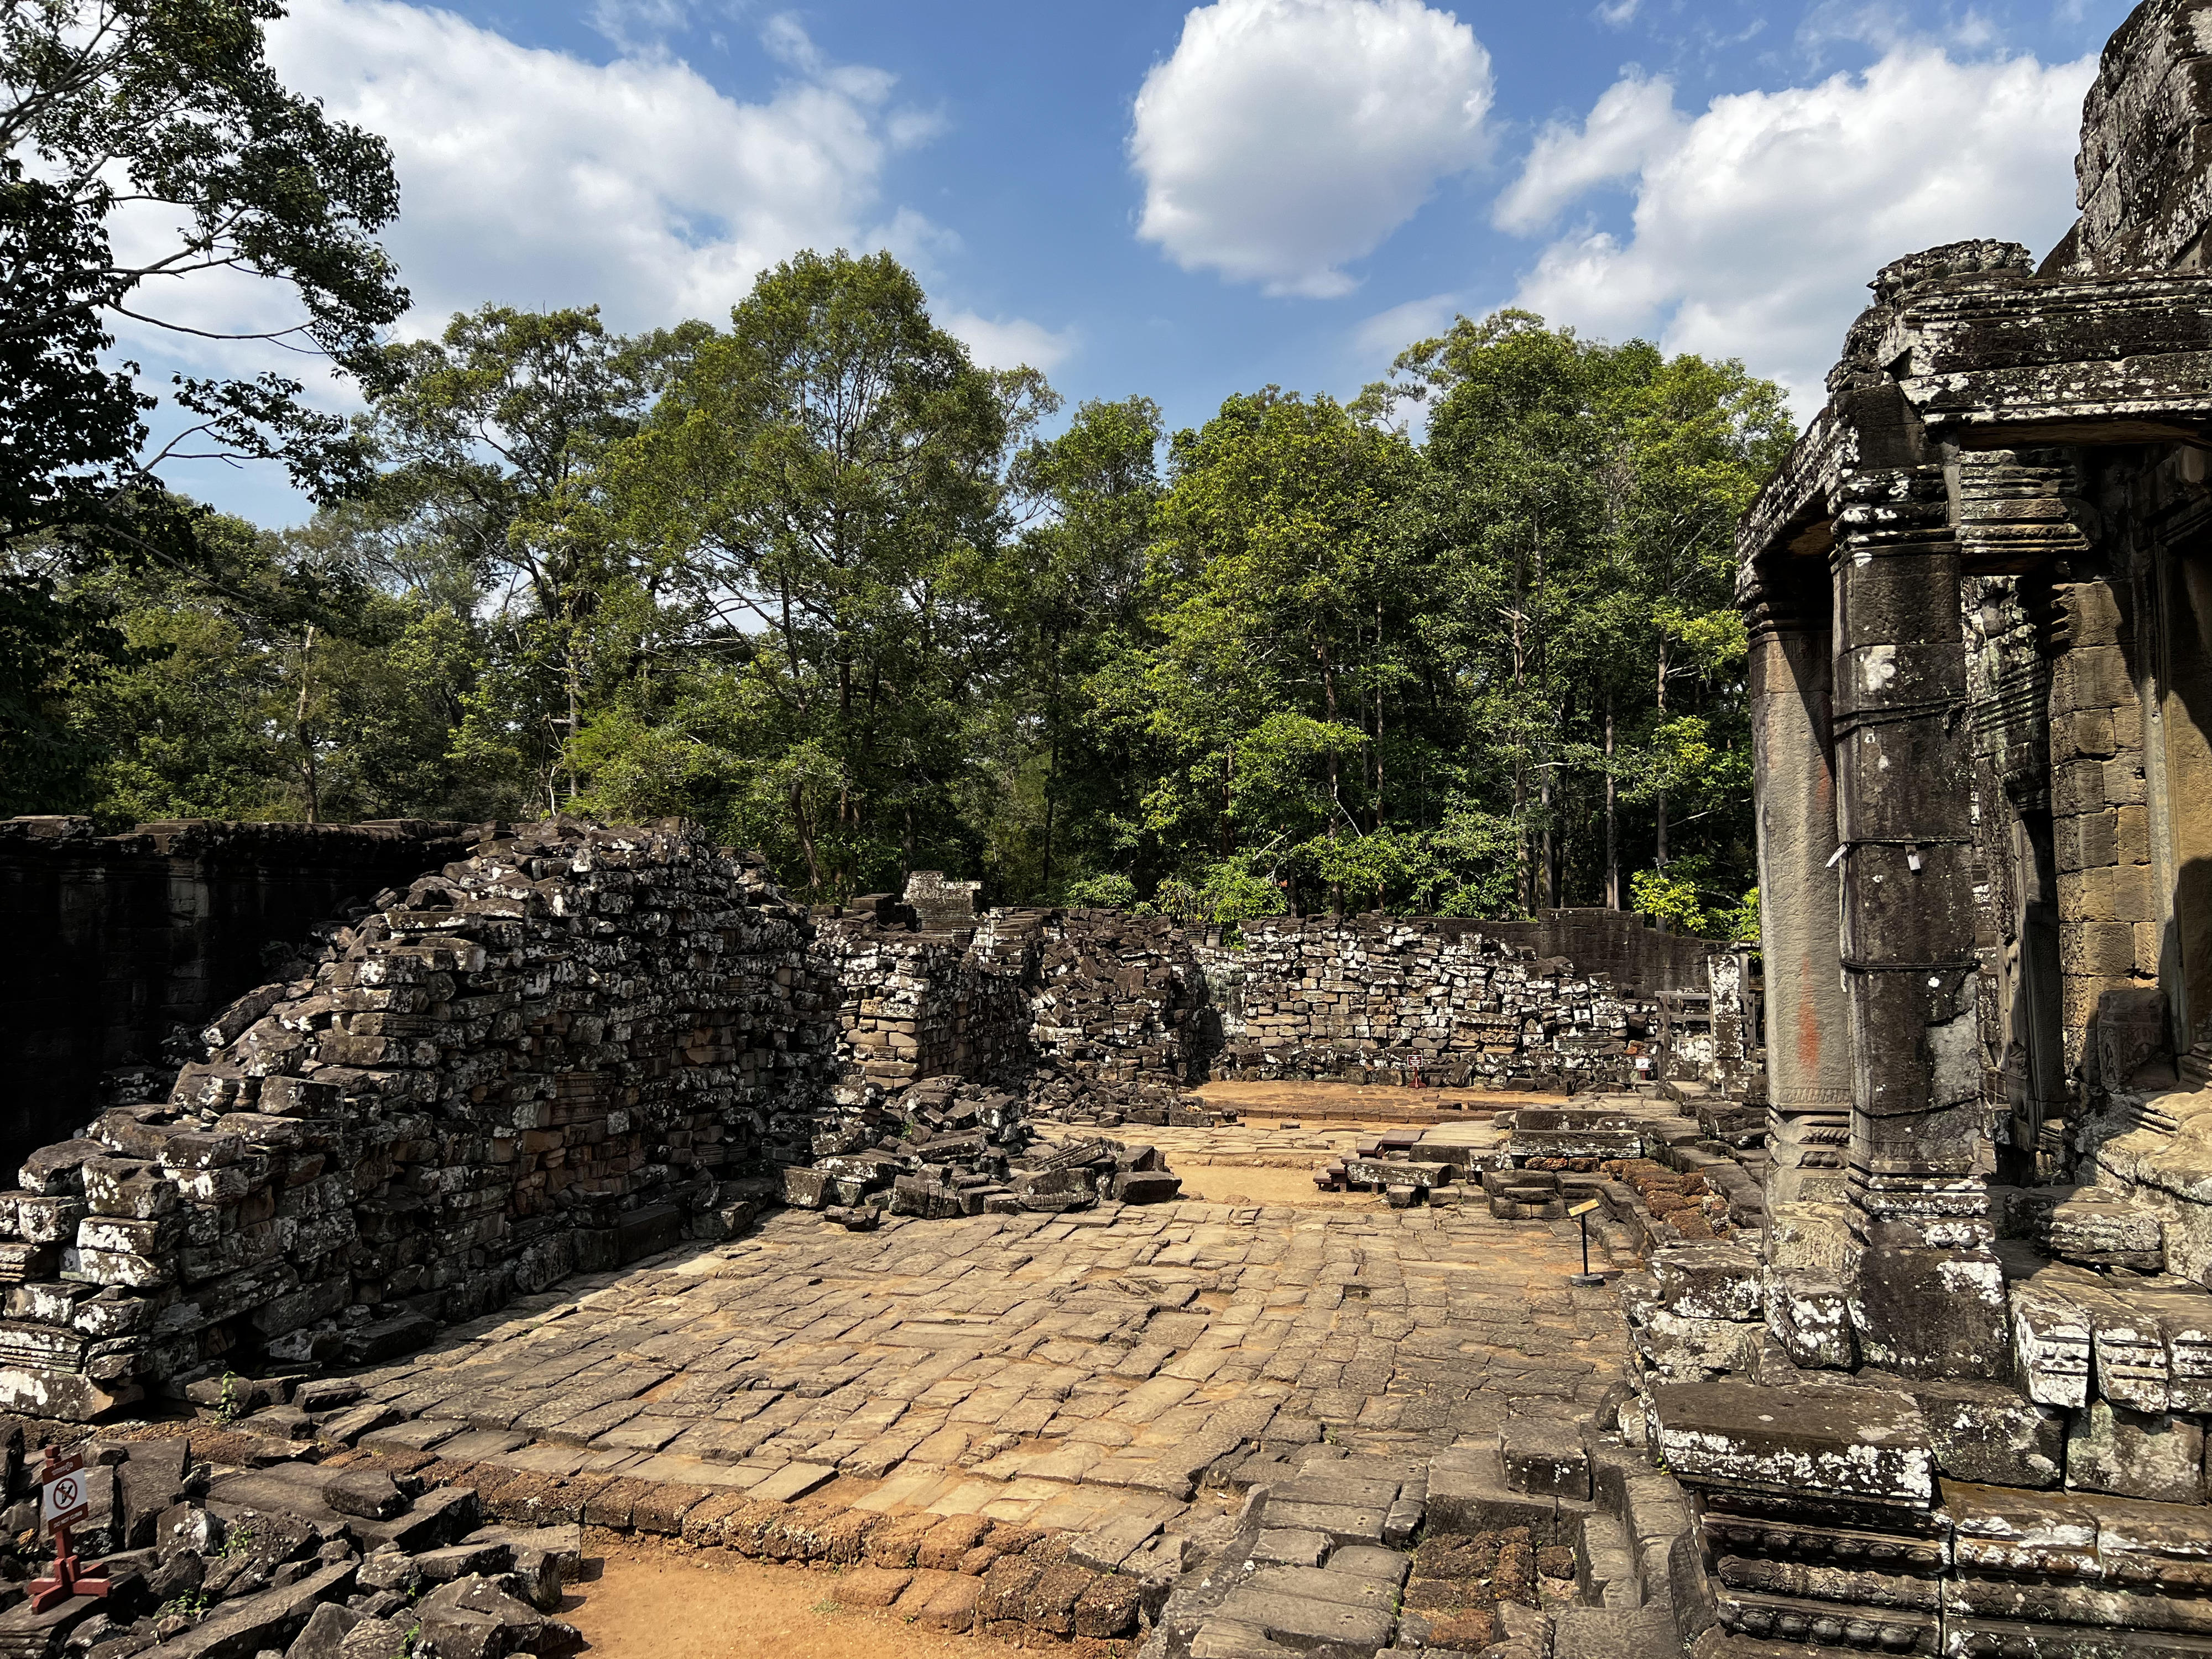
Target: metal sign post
x,y
65,1500
1585,1277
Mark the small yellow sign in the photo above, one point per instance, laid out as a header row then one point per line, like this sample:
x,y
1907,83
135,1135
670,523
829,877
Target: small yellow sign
x,y
1581,1209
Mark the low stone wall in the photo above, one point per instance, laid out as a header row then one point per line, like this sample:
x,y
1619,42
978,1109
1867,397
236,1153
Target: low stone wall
x,y
548,1057
1062,1004
1435,1000
119,943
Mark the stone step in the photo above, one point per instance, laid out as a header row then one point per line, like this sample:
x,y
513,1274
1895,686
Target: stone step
x,y
1604,1563
1605,1633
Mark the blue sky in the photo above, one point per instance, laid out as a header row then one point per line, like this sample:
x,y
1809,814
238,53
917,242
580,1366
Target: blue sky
x,y
1191,201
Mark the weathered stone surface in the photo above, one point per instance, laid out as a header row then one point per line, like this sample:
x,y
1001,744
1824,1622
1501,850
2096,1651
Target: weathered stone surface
x,y
2130,1454
1709,1281
1851,1441
1986,1432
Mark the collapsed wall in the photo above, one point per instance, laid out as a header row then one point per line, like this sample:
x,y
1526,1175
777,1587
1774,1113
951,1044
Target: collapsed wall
x,y
1429,1000
552,1055
1071,1007
573,1046
124,942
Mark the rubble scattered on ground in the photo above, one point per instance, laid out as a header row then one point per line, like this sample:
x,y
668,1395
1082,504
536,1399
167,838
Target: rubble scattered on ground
x,y
206,1559
944,1148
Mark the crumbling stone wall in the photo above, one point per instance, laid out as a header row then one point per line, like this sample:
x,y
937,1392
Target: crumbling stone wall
x,y
553,1054
1062,1004
1431,999
119,943
918,1001
1121,1009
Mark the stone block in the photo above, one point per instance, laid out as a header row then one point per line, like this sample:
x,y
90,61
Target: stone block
x,y
1285,1546
1843,1440
1931,1312
2093,1226
1987,1432
2155,1455
1690,1349
2101,946
1810,1317
2052,1337
1544,1457
1708,1281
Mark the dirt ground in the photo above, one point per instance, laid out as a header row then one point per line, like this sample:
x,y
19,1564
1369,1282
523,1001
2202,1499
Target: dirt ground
x,y
1386,1103
1245,1183
652,1602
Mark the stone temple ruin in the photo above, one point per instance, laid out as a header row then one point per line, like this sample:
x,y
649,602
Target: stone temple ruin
x,y
570,1046
1957,1403
1917,1356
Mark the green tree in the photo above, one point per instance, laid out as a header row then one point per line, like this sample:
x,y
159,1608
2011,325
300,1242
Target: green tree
x,y
825,481
1069,595
165,108
496,440
1260,690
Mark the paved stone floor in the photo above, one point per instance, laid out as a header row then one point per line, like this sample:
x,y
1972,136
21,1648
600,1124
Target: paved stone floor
x,y
1061,1371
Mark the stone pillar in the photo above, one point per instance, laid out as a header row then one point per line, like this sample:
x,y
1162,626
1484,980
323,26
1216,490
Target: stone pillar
x,y
1807,1055
1926,1294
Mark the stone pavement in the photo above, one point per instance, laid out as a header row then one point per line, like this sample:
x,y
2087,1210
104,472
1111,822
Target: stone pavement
x,y
1125,1365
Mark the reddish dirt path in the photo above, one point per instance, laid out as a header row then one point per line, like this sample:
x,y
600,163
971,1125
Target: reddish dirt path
x,y
656,1602
1381,1104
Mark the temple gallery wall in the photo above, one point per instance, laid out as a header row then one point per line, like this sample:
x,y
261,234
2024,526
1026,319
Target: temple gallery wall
x,y
1955,1400
293,1127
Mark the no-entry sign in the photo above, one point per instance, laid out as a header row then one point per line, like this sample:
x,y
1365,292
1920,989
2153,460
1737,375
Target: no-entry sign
x,y
66,1501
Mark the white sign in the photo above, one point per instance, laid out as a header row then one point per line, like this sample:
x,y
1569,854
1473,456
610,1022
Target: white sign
x,y
66,1500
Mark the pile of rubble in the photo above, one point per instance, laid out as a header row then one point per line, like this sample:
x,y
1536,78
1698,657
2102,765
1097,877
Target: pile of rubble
x,y
944,1148
206,1558
1406,1165
1058,1098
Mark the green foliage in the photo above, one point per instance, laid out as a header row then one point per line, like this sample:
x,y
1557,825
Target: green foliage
x,y
1680,898
820,583
169,104
1108,892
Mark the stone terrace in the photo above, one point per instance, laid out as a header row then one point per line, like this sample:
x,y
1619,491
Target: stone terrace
x,y
1059,1372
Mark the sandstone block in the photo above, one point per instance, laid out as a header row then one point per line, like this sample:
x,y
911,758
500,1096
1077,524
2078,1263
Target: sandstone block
x,y
1851,1441
2155,1455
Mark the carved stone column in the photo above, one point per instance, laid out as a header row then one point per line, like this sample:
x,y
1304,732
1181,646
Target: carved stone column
x,y
1927,1295
1808,1053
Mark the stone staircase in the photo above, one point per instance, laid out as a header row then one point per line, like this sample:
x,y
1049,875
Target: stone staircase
x,y
1333,1561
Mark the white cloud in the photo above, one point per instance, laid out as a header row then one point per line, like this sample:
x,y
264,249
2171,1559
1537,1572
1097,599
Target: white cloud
x,y
1000,344
1632,121
1757,224
534,178
1387,333
1285,137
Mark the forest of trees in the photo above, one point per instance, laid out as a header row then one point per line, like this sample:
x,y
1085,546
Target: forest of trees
x,y
811,577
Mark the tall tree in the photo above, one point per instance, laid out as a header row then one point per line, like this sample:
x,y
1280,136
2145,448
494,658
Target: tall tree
x,y
1069,595
1269,582
496,440
165,109
828,477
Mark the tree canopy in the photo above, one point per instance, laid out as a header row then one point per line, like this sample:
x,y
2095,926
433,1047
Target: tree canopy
x,y
811,575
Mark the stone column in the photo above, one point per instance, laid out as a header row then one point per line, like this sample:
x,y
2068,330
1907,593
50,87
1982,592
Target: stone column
x,y
1927,1297
1807,1056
